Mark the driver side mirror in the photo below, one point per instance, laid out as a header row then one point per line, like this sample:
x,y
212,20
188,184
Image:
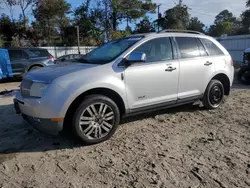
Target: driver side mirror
x,y
136,57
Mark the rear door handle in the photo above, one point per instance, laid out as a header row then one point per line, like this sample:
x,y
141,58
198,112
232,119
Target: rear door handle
x,y
170,69
208,63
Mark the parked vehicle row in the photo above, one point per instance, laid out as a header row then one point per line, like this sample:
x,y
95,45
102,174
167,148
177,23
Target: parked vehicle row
x,y
23,60
127,76
244,72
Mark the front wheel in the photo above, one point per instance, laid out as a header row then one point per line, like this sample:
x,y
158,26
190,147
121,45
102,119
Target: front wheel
x,y
214,95
96,119
244,75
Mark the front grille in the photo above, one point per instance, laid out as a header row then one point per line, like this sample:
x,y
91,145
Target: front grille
x,y
25,87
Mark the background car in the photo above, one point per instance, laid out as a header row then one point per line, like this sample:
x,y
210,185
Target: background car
x,y
68,57
27,59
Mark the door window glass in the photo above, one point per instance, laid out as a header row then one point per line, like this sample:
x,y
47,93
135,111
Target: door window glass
x,y
16,54
188,47
159,49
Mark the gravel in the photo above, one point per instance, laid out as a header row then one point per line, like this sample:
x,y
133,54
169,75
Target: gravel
x,y
185,146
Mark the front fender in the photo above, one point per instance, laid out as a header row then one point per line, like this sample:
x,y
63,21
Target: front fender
x,y
116,85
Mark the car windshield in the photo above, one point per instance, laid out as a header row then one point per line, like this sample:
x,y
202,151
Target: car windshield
x,y
108,52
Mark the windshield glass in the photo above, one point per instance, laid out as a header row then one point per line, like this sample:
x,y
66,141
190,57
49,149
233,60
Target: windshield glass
x,y
109,51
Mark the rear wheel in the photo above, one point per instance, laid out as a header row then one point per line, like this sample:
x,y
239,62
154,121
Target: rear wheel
x,y
96,119
214,95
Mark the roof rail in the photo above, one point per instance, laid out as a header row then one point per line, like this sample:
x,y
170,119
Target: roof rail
x,y
180,31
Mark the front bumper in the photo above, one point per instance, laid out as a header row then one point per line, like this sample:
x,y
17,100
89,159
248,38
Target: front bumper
x,y
45,125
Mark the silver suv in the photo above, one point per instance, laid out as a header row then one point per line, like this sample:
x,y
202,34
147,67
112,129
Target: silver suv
x,y
131,75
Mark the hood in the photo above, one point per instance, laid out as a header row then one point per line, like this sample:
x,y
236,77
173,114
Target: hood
x,y
48,74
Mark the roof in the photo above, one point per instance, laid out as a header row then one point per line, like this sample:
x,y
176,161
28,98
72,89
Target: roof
x,y
169,32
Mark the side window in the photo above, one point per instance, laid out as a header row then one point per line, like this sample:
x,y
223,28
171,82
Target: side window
x,y
16,54
188,47
159,49
211,47
202,50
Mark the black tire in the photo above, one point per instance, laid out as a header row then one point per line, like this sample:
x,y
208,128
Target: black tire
x,y
34,68
214,95
95,100
242,77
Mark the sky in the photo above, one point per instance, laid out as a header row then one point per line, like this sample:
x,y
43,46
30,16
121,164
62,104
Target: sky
x,y
205,10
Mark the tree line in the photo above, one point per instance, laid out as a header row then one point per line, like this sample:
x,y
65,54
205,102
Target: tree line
x,y
55,22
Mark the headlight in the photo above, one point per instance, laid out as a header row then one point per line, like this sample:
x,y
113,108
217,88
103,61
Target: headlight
x,y
37,89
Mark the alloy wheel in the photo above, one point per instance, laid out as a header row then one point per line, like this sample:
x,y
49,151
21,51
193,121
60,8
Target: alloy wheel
x,y
96,121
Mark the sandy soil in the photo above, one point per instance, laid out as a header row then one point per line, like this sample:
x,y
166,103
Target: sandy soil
x,y
181,147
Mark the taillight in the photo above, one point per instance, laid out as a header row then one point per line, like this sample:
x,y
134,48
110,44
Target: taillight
x,y
231,62
51,58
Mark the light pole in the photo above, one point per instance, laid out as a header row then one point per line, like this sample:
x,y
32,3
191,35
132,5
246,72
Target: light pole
x,y
78,39
158,11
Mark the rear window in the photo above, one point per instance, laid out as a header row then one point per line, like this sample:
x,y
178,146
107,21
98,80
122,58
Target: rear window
x,y
40,53
211,47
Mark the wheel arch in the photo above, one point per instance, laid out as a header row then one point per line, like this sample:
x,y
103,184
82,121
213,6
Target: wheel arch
x,y
224,79
101,91
34,65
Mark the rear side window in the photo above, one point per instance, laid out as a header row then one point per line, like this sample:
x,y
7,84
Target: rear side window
x,y
159,49
31,54
17,54
202,50
40,53
211,47
188,47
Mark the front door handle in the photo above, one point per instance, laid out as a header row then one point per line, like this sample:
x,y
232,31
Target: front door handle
x,y
170,69
208,63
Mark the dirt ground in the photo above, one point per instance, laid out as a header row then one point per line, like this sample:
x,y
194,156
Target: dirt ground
x,y
180,147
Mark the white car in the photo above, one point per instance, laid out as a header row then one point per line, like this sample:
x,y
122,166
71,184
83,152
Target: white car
x,y
127,76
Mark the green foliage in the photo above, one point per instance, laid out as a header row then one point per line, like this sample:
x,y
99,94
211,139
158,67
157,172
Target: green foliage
x,y
175,18
1,42
225,23
144,26
245,16
196,25
119,34
99,22
50,14
221,28
224,16
7,29
128,9
89,21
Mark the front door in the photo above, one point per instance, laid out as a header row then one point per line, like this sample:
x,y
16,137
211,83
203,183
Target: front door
x,y
155,81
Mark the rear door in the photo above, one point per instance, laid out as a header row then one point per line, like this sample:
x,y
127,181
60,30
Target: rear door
x,y
219,57
196,68
19,61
